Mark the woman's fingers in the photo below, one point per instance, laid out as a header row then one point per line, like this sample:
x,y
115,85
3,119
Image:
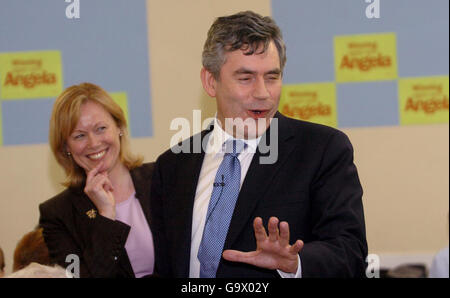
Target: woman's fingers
x,y
93,172
106,183
98,185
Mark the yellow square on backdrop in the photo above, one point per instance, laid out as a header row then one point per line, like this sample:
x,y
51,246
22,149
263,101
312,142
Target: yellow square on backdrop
x,y
368,57
122,100
423,100
30,74
314,102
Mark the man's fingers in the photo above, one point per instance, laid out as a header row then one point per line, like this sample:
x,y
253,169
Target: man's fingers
x,y
239,256
284,234
260,232
273,229
296,247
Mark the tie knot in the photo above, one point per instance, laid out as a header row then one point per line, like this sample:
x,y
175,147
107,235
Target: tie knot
x,y
234,147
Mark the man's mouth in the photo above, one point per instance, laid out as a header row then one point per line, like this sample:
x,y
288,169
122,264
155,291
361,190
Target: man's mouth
x,y
258,113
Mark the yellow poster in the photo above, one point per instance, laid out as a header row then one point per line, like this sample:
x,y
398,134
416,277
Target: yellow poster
x,y
30,74
423,100
122,100
368,57
314,102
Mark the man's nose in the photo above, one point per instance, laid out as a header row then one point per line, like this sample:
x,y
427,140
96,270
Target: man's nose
x,y
260,89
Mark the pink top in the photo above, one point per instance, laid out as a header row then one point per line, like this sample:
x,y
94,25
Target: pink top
x,y
139,244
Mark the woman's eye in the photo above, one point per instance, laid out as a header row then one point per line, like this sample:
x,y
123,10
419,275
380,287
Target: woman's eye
x,y
101,128
79,136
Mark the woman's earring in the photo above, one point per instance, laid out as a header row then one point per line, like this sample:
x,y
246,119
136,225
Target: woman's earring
x,y
68,154
120,134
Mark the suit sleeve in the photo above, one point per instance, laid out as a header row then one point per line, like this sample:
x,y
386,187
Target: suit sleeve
x,y
103,246
339,248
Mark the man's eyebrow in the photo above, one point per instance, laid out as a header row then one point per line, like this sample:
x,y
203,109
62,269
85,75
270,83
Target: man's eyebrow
x,y
243,70
274,71
248,71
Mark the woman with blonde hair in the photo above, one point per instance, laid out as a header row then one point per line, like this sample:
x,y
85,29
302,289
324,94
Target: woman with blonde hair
x,y
101,220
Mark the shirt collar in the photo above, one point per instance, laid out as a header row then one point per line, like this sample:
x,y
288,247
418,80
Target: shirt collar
x,y
220,136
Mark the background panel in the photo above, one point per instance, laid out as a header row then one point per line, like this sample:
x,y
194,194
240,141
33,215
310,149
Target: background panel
x,y
422,35
107,45
367,104
26,121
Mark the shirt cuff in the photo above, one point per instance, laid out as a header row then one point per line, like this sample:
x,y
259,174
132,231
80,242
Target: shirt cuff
x,y
298,274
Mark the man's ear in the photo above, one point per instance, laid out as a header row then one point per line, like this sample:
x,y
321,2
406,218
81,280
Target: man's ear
x,y
208,82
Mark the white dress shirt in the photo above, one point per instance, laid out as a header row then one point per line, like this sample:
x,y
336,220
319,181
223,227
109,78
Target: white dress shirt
x,y
213,158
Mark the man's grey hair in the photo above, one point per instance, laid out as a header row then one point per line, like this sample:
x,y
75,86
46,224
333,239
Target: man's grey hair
x,y
245,31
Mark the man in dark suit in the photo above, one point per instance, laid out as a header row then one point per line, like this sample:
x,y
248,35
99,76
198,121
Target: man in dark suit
x,y
210,205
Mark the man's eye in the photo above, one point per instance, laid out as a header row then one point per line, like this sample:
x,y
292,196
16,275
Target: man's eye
x,y
244,79
271,78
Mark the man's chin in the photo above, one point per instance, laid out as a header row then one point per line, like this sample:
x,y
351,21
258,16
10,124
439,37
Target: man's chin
x,y
249,128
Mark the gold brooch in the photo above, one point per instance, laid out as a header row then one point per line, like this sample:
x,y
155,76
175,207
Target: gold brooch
x,y
91,213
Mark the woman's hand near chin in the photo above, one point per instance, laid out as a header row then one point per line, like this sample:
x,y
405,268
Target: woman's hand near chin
x,y
100,190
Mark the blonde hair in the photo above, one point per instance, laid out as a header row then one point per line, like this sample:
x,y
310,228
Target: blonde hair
x,y
65,116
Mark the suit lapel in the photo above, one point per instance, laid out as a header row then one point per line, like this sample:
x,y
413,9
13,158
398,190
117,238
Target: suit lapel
x,y
88,212
188,173
258,179
83,204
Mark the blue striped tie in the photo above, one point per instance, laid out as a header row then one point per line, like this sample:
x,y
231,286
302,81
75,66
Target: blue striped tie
x,y
220,209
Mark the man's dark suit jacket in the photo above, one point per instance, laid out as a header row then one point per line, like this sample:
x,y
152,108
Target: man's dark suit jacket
x,y
313,185
99,242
